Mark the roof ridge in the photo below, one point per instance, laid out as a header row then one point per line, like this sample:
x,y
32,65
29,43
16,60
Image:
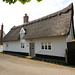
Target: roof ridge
x,y
58,13
17,26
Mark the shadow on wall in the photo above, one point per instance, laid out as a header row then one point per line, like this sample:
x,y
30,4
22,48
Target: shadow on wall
x,y
1,48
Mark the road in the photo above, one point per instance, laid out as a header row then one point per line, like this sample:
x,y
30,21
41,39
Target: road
x,y
11,65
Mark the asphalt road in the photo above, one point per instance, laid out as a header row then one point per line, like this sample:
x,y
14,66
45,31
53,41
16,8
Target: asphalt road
x,y
11,65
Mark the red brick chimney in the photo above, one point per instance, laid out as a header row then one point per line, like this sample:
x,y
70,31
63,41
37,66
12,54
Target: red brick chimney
x,y
2,31
26,18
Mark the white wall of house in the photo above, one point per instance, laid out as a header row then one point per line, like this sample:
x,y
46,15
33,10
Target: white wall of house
x,y
58,46
15,46
70,36
1,48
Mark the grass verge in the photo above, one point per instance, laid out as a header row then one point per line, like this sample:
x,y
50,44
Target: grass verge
x,y
15,54
56,61
49,60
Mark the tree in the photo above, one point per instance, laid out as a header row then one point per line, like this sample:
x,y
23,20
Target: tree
x,y
22,1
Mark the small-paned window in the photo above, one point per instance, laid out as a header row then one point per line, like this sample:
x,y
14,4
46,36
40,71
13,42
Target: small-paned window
x,y
22,45
21,35
42,44
45,45
49,46
7,45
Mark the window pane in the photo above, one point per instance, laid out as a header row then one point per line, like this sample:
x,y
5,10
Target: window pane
x,y
21,35
42,47
6,45
49,46
45,45
42,44
22,45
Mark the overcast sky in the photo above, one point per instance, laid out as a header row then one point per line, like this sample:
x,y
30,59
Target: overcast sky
x,y
11,15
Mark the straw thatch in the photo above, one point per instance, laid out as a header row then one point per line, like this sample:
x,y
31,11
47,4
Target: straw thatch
x,y
55,24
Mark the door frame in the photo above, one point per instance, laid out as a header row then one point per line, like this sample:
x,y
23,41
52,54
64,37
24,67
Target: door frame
x,y
30,49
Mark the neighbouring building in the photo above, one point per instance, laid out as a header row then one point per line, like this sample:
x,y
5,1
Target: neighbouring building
x,y
44,36
2,34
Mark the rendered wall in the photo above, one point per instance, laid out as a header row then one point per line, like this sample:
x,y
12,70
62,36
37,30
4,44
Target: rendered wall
x,y
16,46
58,46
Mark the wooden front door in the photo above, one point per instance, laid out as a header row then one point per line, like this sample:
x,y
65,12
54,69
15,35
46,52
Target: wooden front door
x,y
32,49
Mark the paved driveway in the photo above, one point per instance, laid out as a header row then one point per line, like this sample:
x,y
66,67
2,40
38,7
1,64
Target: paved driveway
x,y
11,65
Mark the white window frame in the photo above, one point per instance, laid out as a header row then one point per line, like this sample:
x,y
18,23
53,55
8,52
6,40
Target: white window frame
x,y
42,45
22,45
22,33
46,46
50,46
6,45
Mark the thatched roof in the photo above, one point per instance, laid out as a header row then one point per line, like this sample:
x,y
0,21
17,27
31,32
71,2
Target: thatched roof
x,y
55,24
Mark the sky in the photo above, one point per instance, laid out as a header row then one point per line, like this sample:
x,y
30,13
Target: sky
x,y
12,15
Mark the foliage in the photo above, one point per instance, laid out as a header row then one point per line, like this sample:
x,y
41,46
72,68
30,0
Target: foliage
x,y
22,1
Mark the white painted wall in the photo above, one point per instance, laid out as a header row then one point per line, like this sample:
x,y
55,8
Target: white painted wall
x,y
58,46
16,46
1,48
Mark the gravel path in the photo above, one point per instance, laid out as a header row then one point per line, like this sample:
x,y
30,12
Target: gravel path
x,y
11,65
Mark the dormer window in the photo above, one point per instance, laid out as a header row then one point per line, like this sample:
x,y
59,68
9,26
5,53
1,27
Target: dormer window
x,y
22,33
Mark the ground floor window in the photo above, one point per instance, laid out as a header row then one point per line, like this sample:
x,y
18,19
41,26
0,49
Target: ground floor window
x,y
7,45
42,45
22,45
49,46
46,46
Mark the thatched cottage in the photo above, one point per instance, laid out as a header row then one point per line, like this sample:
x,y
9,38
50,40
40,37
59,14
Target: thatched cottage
x,y
44,36
2,34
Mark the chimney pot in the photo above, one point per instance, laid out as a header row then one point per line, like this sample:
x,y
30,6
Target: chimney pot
x,y
2,31
26,14
26,18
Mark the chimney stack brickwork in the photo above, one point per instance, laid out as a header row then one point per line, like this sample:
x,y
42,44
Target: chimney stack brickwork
x,y
1,43
2,31
26,18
